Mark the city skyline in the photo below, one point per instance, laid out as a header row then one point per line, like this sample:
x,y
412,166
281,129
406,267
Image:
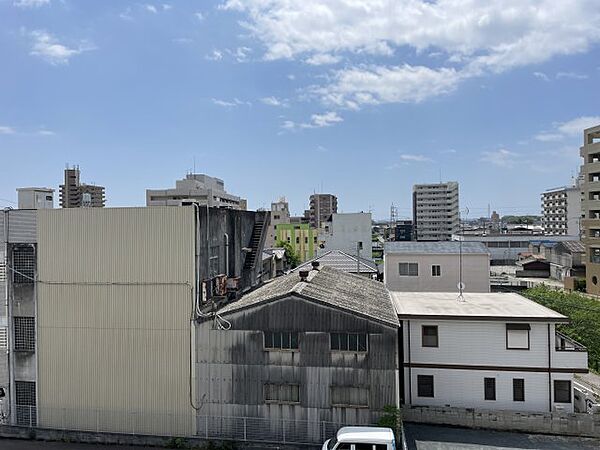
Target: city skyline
x,y
138,94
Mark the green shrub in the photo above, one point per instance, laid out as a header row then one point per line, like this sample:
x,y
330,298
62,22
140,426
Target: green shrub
x,y
390,417
583,312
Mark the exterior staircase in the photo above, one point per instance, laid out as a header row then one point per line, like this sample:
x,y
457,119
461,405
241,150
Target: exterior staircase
x,y
256,244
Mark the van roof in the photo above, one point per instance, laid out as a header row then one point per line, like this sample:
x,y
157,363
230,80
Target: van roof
x,y
369,435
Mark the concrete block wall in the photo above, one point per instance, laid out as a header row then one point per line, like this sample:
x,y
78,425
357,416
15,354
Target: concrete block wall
x,y
569,424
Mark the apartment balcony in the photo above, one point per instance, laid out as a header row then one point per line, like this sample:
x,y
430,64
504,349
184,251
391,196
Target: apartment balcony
x,y
589,149
569,353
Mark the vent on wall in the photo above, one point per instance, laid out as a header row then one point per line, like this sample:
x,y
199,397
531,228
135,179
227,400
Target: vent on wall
x,y
3,338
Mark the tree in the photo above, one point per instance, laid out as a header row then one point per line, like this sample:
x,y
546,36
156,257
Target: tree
x,y
291,256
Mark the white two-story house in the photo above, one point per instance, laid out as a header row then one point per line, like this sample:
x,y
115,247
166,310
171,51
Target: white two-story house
x,y
436,266
488,351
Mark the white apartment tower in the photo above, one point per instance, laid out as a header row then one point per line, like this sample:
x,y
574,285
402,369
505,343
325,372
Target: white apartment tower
x,y
561,210
435,211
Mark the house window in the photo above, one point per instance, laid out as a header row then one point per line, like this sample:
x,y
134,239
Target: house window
x,y
517,336
282,393
23,264
24,334
429,336
562,391
489,388
406,269
518,390
297,240
425,385
306,239
349,396
350,342
436,270
281,340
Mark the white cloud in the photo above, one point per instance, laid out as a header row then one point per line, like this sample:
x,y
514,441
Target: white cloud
x,y
230,104
30,3
478,38
150,8
5,129
273,101
571,75
548,137
198,15
568,130
166,7
326,119
323,58
576,126
183,40
500,158
541,76
414,158
46,132
291,76
215,55
322,149
49,49
240,54
356,86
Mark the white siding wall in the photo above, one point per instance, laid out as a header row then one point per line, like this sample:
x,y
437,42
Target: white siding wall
x,y
480,343
476,273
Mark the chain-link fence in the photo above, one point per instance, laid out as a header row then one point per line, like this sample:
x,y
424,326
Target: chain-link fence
x,y
240,429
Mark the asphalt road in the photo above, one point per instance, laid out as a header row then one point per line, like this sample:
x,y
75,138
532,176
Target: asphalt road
x,y
18,444
430,437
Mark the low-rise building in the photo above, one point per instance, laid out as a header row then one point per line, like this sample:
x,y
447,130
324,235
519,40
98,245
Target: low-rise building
x,y
307,349
35,198
342,261
195,188
436,266
505,248
489,351
347,232
280,213
301,236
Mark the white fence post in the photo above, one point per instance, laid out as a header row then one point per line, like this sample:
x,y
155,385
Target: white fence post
x,y
245,435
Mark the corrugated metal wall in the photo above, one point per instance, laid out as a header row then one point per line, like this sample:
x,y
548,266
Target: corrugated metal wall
x,y
21,225
113,353
233,365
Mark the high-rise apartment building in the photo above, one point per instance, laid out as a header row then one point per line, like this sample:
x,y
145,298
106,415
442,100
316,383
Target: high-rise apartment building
x,y
435,211
590,206
35,198
280,214
195,188
75,194
561,210
322,206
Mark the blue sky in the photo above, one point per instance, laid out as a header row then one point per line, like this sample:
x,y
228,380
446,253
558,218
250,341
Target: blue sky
x,y
281,98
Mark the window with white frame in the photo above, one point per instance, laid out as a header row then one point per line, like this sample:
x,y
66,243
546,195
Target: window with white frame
x,y
408,269
436,270
517,336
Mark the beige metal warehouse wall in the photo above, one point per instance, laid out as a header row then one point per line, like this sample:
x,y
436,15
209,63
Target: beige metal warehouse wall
x,y
114,306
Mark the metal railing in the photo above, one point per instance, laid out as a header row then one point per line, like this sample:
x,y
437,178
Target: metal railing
x,y
240,429
566,344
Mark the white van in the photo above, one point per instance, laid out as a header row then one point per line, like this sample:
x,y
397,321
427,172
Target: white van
x,y
362,438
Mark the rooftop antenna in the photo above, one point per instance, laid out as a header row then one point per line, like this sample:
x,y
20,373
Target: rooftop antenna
x,y
461,285
194,163
440,175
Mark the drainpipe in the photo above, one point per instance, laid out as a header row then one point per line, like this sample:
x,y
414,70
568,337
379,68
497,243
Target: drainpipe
x,y
409,365
8,317
549,372
226,254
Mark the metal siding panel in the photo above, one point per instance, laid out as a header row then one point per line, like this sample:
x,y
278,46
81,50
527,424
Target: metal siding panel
x,y
22,225
117,349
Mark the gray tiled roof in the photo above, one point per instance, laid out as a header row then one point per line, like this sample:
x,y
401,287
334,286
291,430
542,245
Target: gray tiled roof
x,y
341,261
435,247
333,287
573,246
